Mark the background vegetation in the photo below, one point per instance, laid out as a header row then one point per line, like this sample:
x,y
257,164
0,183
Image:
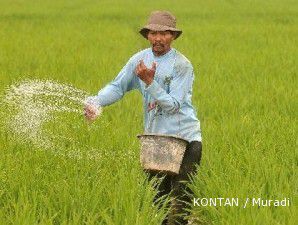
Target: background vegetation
x,y
245,59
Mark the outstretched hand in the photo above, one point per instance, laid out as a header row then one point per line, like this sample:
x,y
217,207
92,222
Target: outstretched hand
x,y
144,73
90,112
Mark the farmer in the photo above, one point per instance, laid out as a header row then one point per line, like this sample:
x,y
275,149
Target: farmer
x,y
164,77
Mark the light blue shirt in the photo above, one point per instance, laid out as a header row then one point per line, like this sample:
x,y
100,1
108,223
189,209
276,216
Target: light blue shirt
x,y
166,101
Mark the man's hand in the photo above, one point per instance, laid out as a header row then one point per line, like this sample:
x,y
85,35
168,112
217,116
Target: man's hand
x,y
144,73
90,112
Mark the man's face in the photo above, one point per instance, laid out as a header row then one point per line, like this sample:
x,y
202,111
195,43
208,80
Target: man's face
x,y
160,41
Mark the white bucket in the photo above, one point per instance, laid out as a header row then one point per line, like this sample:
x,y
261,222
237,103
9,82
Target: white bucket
x,y
162,153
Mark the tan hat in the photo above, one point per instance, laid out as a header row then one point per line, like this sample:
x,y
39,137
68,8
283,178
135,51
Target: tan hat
x,y
160,21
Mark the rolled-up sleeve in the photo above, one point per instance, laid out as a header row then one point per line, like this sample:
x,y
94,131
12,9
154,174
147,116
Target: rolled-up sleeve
x,y
179,87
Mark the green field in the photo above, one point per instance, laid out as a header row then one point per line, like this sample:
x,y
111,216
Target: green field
x,y
245,58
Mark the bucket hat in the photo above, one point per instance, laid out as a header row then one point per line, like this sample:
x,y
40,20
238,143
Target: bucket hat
x,y
160,21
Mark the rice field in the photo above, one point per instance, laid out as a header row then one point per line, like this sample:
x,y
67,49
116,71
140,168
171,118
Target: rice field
x,y
244,55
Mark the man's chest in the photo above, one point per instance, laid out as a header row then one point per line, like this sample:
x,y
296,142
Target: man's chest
x,y
164,71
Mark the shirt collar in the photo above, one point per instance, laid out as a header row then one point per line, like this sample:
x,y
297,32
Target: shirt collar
x,y
158,58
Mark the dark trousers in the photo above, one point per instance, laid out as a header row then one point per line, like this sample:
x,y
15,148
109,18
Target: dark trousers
x,y
176,185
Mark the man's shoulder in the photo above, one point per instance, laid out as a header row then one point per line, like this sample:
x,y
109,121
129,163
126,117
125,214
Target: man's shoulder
x,y
182,61
139,55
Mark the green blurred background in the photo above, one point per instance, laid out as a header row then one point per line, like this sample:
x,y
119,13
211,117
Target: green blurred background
x,y
245,58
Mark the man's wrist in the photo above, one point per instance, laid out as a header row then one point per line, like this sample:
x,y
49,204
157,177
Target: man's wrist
x,y
148,82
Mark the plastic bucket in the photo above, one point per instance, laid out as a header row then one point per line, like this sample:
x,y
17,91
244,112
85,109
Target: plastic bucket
x,y
162,153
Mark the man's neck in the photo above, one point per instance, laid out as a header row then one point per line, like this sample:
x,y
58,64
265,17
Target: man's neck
x,y
157,54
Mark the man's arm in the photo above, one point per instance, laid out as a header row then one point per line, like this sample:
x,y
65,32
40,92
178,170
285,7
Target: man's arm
x,y
115,90
125,81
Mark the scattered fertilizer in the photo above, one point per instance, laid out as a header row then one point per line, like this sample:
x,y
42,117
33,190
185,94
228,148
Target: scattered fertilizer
x,y
30,104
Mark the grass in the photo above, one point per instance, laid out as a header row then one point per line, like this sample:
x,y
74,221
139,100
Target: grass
x,y
244,54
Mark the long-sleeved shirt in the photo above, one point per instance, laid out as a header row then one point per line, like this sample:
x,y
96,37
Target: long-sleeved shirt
x,y
167,100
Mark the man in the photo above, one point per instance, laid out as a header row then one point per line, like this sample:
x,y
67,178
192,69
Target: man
x,y
164,77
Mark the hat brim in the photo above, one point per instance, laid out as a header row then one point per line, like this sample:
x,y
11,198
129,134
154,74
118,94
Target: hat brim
x,y
157,27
